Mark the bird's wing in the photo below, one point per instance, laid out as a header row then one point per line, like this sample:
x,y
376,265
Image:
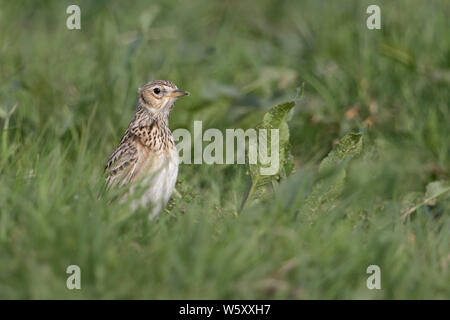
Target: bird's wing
x,y
124,163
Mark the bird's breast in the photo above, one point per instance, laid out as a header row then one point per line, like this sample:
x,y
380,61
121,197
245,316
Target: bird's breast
x,y
159,175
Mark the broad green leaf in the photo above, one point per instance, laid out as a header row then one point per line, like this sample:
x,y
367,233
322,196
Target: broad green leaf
x,y
326,190
275,118
435,190
411,200
349,146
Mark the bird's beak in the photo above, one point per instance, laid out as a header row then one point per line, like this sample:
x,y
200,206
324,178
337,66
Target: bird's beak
x,y
178,93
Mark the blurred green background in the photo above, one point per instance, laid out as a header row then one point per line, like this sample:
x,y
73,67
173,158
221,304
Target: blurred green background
x,y
74,93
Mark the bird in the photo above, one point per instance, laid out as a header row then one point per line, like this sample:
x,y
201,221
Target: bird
x,y
146,155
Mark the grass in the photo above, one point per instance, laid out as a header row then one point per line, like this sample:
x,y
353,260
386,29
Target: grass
x,y
75,93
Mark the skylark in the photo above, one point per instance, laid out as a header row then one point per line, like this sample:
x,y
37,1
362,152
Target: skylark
x,y
146,155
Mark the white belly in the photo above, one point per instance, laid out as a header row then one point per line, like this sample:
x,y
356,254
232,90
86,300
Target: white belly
x,y
158,182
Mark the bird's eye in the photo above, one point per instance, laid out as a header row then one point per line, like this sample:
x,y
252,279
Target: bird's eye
x,y
156,90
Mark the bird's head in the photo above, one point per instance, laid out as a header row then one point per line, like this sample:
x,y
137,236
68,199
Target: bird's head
x,y
159,96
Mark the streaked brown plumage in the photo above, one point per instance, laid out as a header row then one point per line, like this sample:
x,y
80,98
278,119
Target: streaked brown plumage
x,y
147,151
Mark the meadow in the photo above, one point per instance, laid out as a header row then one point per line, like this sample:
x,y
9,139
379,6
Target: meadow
x,y
367,170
